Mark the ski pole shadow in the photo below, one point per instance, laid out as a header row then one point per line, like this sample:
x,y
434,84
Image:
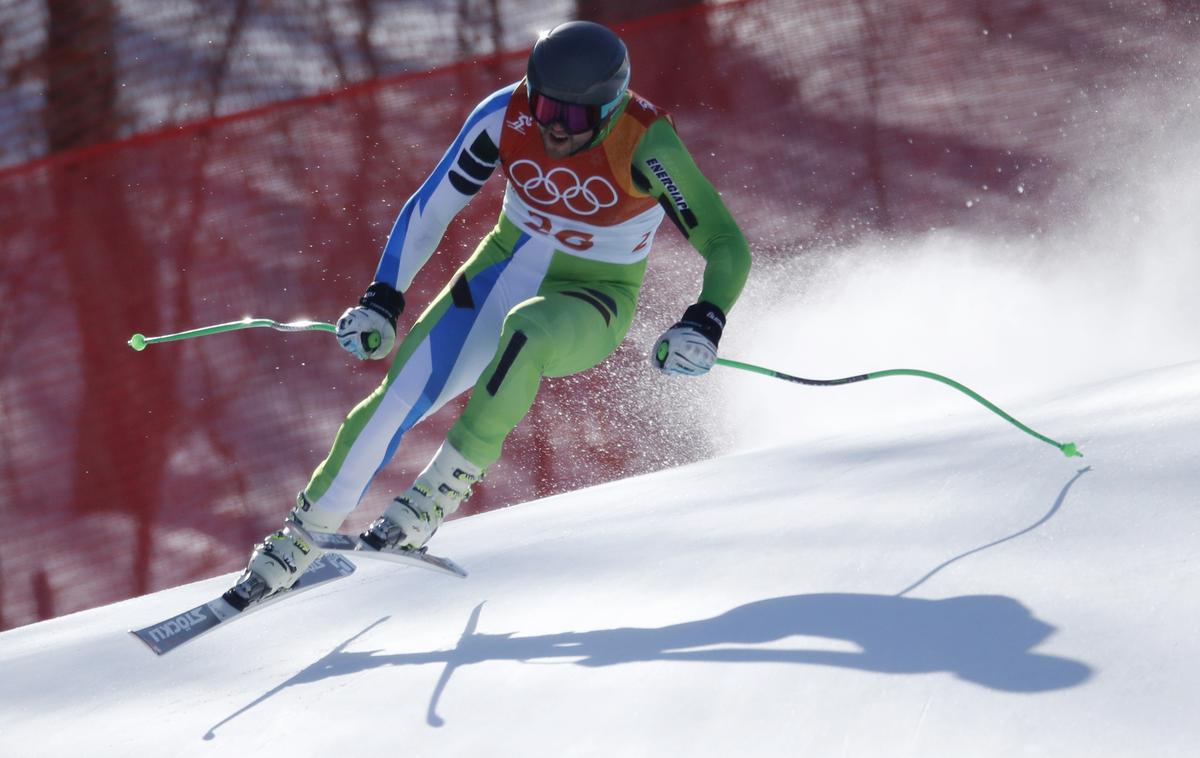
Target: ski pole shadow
x,y
313,673
987,640
1058,503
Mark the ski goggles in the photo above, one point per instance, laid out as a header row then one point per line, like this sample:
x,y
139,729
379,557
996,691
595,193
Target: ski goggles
x,y
575,118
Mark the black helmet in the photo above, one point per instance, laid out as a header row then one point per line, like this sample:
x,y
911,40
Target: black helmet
x,y
579,62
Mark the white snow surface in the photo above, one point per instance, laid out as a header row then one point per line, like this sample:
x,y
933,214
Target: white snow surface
x,y
880,569
940,589
957,590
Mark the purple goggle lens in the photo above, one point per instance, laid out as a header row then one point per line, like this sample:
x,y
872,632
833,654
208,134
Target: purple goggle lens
x,y
576,119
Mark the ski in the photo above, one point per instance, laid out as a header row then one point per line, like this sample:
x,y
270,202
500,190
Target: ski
x,y
344,544
170,633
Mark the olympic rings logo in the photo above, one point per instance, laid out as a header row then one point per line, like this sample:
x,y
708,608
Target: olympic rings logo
x,y
582,198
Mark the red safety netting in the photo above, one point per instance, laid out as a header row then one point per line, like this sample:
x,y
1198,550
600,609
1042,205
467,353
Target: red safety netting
x,y
124,472
89,71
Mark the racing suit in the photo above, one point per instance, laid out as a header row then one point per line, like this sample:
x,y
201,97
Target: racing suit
x,y
550,291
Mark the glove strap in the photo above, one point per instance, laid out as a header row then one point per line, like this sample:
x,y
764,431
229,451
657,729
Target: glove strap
x,y
705,318
382,298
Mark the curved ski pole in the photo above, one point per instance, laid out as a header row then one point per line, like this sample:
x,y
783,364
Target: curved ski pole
x,y
1068,449
140,341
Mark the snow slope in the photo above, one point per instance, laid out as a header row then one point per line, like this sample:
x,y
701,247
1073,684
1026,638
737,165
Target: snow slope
x,y
956,590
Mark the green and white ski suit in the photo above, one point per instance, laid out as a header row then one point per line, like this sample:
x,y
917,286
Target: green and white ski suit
x,y
550,291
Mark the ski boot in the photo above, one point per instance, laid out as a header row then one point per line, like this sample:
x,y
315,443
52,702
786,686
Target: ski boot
x,y
279,560
412,518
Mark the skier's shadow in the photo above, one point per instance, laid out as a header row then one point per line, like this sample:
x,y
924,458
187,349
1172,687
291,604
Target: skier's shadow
x,y
984,639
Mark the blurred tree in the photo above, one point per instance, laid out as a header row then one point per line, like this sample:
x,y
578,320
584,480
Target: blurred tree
x,y
81,73
217,72
479,27
110,275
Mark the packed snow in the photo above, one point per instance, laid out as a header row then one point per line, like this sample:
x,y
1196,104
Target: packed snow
x,y
950,589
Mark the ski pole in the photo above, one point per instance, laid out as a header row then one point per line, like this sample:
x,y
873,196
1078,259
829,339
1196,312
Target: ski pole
x,y
140,341
1068,449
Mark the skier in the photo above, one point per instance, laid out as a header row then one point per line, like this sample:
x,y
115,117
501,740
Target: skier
x,y
592,169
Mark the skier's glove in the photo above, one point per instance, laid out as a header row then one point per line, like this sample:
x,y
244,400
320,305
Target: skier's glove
x,y
369,329
690,346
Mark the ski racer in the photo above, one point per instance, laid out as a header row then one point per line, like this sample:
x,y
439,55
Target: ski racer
x,y
592,169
